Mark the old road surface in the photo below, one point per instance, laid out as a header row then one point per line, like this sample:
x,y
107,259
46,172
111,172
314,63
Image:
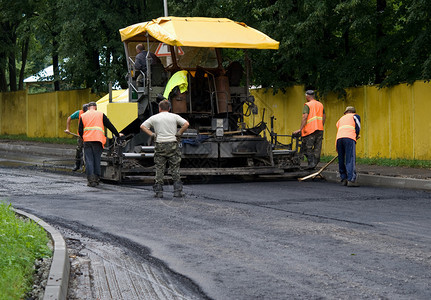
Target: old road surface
x,y
249,240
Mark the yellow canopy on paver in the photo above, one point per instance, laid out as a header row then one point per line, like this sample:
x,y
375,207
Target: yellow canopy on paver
x,y
200,32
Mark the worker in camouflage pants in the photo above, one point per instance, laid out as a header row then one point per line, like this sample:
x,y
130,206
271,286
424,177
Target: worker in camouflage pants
x,y
167,152
311,147
313,120
167,137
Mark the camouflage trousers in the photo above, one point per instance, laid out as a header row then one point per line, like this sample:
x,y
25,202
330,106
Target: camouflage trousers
x,y
312,146
79,147
167,152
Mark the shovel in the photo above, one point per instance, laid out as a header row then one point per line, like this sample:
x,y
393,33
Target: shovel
x,y
313,175
71,133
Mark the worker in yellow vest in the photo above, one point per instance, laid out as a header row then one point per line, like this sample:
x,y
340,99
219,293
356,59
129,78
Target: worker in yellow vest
x,y
178,79
313,120
92,131
349,126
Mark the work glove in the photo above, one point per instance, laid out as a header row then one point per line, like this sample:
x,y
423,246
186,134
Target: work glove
x,y
178,136
296,133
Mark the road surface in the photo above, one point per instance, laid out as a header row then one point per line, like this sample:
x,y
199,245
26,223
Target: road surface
x,y
254,240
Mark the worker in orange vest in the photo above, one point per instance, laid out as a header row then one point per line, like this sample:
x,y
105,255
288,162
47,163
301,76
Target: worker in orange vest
x,y
92,130
313,120
77,116
348,127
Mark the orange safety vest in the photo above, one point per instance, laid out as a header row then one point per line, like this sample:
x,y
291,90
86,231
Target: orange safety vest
x,y
346,127
79,117
80,114
94,131
314,119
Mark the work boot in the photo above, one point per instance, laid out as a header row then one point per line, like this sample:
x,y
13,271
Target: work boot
x,y
158,190
352,184
343,182
92,181
77,166
311,164
178,189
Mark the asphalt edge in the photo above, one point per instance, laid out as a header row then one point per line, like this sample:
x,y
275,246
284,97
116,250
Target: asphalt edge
x,y
384,181
363,179
58,277
58,151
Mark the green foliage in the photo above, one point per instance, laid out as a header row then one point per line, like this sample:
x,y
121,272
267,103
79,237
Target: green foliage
x,y
15,23
21,243
330,45
91,41
327,45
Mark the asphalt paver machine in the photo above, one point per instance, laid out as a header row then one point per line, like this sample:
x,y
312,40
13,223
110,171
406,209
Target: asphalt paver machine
x,y
213,95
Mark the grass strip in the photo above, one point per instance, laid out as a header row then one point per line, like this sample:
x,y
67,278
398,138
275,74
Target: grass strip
x,y
22,242
409,163
70,141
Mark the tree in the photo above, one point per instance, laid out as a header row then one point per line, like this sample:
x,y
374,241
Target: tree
x,y
327,45
14,25
91,42
330,45
47,28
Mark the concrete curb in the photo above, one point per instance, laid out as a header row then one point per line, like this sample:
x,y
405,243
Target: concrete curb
x,y
60,151
384,181
58,278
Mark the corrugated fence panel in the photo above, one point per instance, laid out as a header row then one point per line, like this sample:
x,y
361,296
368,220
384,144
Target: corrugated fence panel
x,y
41,115
395,121
334,108
377,110
13,113
68,103
400,121
421,119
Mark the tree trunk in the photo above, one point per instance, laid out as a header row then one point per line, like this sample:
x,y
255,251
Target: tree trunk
x,y
12,72
346,42
94,77
379,67
24,54
3,81
55,64
11,61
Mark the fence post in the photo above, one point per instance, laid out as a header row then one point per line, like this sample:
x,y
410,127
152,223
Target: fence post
x,y
56,114
26,112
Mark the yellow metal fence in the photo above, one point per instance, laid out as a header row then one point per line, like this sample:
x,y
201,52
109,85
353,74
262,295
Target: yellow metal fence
x,y
40,115
394,120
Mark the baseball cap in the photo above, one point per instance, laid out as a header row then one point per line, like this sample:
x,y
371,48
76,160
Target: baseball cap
x,y
350,109
309,92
